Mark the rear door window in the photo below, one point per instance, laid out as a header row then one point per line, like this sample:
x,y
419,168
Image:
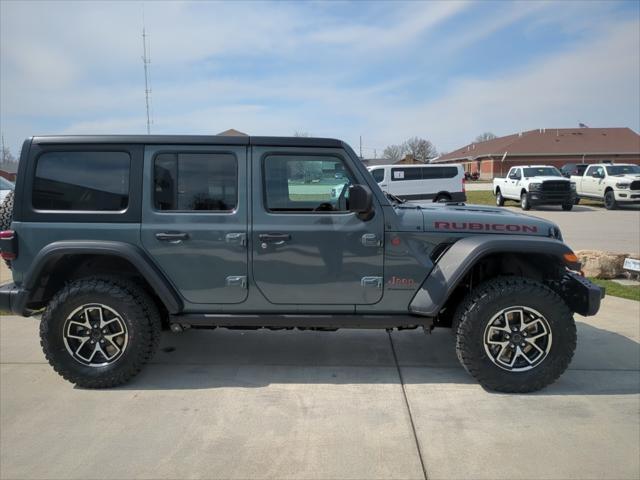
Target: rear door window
x,y
196,181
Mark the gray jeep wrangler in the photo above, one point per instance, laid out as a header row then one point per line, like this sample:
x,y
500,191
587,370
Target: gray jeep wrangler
x,y
115,238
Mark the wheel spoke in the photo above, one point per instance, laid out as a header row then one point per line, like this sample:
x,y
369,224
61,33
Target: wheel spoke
x,y
82,344
107,336
109,339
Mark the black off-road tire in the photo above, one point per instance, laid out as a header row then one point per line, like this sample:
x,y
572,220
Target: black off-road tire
x,y
525,201
6,216
6,211
136,309
577,201
483,303
567,207
499,199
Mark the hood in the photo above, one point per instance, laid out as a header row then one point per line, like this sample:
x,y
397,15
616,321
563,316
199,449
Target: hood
x,y
468,219
629,176
546,179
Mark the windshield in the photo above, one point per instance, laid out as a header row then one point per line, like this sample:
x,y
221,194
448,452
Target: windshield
x,y
623,169
6,184
542,172
378,174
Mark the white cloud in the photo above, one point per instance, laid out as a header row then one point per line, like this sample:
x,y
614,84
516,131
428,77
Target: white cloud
x,y
76,68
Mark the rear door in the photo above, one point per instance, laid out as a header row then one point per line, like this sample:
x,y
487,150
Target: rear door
x,y
194,221
308,249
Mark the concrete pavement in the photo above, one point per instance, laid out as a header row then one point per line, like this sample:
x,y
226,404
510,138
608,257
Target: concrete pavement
x,y
594,228
262,404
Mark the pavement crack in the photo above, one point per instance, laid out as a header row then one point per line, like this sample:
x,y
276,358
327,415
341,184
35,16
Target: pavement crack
x,y
406,402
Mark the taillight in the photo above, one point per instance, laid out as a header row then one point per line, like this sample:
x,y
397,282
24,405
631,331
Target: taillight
x,y
8,246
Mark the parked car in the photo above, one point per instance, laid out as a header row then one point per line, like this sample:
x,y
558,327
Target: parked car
x,y
535,185
614,185
573,169
5,187
440,183
116,237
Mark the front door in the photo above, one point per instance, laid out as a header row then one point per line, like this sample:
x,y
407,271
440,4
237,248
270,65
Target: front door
x,y
194,221
307,247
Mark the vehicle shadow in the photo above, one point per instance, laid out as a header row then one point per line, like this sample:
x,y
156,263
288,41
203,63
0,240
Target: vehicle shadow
x,y
605,363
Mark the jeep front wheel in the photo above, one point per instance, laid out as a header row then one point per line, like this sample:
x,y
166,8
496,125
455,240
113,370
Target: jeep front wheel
x,y
99,332
515,335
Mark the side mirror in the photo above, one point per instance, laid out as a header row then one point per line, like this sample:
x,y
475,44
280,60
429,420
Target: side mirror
x,y
361,201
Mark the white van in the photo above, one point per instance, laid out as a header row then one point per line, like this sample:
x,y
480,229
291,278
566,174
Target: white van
x,y
440,183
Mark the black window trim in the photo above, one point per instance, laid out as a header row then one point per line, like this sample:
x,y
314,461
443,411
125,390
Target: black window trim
x,y
263,159
193,212
133,212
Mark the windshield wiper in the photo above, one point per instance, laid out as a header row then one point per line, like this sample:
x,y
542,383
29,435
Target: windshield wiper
x,y
393,198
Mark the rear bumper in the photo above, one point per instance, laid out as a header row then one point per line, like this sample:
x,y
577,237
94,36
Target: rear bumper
x,y
13,299
582,296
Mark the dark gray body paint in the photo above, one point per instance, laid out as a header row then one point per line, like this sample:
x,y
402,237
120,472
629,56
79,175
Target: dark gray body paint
x,y
463,254
318,272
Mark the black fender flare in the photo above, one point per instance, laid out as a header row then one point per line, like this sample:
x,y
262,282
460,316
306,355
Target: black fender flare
x,y
458,260
53,252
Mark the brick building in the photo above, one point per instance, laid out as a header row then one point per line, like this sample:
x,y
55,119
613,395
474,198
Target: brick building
x,y
548,146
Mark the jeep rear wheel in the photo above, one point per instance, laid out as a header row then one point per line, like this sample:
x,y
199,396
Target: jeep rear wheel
x,y
515,335
99,332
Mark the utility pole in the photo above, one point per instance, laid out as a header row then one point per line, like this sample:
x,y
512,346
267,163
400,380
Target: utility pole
x,y
146,60
360,147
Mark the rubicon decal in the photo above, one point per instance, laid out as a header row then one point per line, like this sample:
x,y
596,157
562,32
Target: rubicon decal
x,y
485,227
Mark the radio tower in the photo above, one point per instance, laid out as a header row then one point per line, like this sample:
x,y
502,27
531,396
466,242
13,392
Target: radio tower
x,y
146,60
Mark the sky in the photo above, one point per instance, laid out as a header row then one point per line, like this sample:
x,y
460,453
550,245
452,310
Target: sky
x,y
383,71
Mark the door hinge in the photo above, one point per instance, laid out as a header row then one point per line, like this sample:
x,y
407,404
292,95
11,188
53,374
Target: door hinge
x,y
371,282
236,238
371,240
237,281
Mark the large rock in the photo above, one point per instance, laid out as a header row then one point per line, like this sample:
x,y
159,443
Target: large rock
x,y
598,264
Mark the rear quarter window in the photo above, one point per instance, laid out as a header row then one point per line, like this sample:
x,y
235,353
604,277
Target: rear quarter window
x,y
82,181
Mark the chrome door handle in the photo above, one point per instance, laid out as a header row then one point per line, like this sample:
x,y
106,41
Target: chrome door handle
x,y
236,237
172,237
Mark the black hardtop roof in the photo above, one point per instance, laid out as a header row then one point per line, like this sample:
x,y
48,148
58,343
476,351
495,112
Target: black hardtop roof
x,y
189,140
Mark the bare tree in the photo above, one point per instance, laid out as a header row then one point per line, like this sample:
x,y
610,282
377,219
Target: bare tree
x,y
420,148
7,161
393,153
484,137
301,134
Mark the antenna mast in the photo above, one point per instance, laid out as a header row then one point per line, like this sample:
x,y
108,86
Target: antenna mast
x,y
146,60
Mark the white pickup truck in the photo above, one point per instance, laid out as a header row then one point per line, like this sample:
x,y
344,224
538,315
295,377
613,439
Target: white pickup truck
x,y
533,185
614,185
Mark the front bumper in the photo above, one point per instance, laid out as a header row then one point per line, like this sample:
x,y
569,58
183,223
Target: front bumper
x,y
13,299
582,296
539,197
628,197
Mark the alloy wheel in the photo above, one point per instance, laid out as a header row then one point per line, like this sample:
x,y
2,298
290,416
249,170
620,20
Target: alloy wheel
x,y
517,339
